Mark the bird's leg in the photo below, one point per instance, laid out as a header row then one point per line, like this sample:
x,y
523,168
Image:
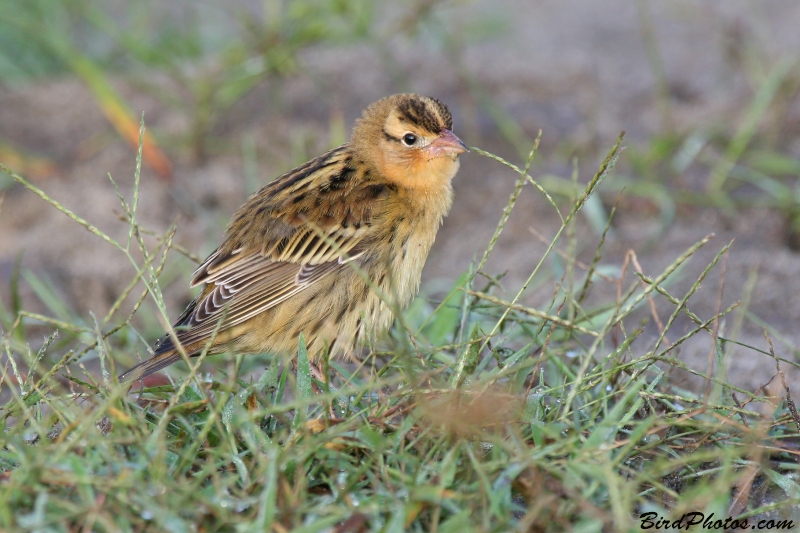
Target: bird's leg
x,y
315,373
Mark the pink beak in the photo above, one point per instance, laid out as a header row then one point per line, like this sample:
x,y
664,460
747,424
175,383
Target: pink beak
x,y
446,145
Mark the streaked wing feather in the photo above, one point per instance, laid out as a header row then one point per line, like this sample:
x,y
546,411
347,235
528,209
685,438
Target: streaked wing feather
x,y
244,277
253,283
256,298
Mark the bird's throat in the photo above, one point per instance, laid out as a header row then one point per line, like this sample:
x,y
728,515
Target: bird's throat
x,y
419,174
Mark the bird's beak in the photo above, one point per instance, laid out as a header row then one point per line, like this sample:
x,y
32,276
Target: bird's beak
x,y
446,145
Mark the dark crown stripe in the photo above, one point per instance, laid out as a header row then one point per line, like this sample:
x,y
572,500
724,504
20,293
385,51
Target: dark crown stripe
x,y
427,113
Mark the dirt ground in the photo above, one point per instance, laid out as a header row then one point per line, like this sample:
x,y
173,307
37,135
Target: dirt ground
x,y
579,71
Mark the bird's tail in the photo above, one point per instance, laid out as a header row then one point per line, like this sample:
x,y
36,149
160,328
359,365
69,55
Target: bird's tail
x,y
154,364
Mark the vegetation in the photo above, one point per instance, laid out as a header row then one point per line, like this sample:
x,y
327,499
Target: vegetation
x,y
477,413
481,414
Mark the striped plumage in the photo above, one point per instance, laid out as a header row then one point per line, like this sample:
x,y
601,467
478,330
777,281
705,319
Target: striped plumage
x,y
307,252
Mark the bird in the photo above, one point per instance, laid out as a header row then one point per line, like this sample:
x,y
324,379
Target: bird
x,y
328,250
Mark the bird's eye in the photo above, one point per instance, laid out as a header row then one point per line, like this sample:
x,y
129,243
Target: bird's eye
x,y
409,139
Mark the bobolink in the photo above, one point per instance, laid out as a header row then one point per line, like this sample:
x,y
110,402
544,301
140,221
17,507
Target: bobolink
x,y
320,249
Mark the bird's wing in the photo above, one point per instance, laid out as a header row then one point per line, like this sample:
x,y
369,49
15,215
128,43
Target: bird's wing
x,y
291,234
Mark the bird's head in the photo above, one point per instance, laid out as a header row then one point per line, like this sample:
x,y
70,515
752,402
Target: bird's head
x,y
408,139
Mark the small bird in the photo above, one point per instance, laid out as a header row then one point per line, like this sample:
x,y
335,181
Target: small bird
x,y
329,249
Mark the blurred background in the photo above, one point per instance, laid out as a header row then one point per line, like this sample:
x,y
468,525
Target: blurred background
x,y
236,92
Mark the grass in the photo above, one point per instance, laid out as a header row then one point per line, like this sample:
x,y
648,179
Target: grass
x,y
477,413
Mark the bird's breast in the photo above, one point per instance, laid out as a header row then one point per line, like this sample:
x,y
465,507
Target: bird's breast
x,y
411,238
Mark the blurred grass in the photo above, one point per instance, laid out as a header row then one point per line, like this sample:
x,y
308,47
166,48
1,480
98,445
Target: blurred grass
x,y
32,165
214,55
200,60
491,417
